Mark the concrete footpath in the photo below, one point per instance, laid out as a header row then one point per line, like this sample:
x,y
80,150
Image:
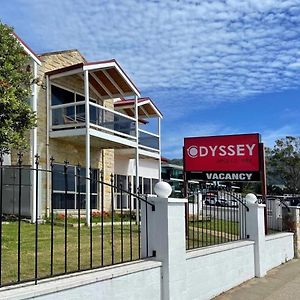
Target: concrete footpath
x,y
282,282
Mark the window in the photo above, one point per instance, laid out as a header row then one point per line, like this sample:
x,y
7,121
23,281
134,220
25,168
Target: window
x,y
61,96
74,183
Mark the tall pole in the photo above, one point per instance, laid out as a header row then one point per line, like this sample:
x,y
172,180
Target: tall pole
x,y
137,175
263,181
87,149
159,143
34,147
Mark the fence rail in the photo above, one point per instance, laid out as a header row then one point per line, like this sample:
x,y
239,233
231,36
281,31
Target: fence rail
x,y
214,216
274,205
62,243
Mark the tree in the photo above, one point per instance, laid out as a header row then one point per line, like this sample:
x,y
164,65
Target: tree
x,y
284,163
16,115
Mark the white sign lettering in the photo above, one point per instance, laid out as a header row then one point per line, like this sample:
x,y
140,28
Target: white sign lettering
x,y
229,176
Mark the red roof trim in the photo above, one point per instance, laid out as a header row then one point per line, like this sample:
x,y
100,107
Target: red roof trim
x,y
33,54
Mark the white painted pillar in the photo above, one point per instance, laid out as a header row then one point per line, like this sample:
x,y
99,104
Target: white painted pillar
x,y
137,173
87,148
159,141
166,238
255,229
34,147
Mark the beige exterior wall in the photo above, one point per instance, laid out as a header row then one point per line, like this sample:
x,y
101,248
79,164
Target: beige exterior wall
x,y
61,149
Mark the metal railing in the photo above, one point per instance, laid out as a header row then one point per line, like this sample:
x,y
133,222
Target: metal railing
x,y
214,216
274,205
148,139
72,115
62,243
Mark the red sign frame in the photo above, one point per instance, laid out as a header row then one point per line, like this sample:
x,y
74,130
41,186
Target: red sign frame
x,y
226,153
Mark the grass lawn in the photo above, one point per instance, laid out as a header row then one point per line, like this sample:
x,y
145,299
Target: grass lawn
x,y
10,249
211,232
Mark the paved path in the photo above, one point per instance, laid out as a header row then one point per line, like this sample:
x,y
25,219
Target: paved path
x,y
281,283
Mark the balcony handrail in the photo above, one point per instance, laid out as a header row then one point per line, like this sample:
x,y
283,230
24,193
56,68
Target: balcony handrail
x,y
150,133
112,111
93,104
148,148
67,104
122,134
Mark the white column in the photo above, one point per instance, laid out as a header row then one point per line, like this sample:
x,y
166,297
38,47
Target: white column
x,y
166,238
159,141
255,229
137,173
34,146
87,147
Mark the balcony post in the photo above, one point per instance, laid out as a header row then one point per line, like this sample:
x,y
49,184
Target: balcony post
x,y
87,148
137,175
159,148
34,146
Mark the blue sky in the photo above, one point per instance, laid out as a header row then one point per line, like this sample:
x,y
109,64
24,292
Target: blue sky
x,y
213,67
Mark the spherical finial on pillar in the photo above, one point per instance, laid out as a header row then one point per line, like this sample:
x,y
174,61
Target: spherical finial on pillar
x,y
251,198
162,189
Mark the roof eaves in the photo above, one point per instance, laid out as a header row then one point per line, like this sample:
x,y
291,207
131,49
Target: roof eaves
x,y
27,49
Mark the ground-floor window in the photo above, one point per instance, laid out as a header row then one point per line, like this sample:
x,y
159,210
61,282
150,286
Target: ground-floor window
x,y
75,186
146,187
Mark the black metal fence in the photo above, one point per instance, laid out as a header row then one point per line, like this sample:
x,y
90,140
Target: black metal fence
x,y
214,215
59,242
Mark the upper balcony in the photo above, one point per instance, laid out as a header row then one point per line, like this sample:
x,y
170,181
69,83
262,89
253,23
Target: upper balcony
x,y
95,105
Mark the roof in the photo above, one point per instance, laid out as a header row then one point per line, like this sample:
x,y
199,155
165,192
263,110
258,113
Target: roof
x,y
27,49
107,78
147,108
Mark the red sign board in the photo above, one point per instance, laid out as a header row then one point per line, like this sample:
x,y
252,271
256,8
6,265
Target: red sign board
x,y
227,153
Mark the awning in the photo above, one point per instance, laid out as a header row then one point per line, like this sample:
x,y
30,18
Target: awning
x,y
106,78
146,107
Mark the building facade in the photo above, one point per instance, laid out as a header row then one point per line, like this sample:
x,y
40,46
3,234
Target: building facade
x,y
89,114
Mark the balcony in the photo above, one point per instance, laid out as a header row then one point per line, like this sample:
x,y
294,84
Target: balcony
x,y
71,116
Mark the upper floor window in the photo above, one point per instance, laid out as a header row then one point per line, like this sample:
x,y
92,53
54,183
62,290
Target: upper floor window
x,y
61,96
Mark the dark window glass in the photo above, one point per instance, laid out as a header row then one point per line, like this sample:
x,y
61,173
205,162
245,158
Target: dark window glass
x,y
82,200
59,201
60,96
79,98
59,178
147,186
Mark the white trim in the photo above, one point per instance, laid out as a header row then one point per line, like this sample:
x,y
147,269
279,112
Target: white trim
x,y
155,155
144,102
113,132
112,138
87,149
150,133
34,146
159,146
148,148
113,111
67,105
72,91
27,50
66,73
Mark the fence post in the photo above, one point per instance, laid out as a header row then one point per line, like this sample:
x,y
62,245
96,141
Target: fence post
x,y
166,239
255,230
291,222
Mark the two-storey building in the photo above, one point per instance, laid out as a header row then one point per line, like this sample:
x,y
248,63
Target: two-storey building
x,y
92,114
